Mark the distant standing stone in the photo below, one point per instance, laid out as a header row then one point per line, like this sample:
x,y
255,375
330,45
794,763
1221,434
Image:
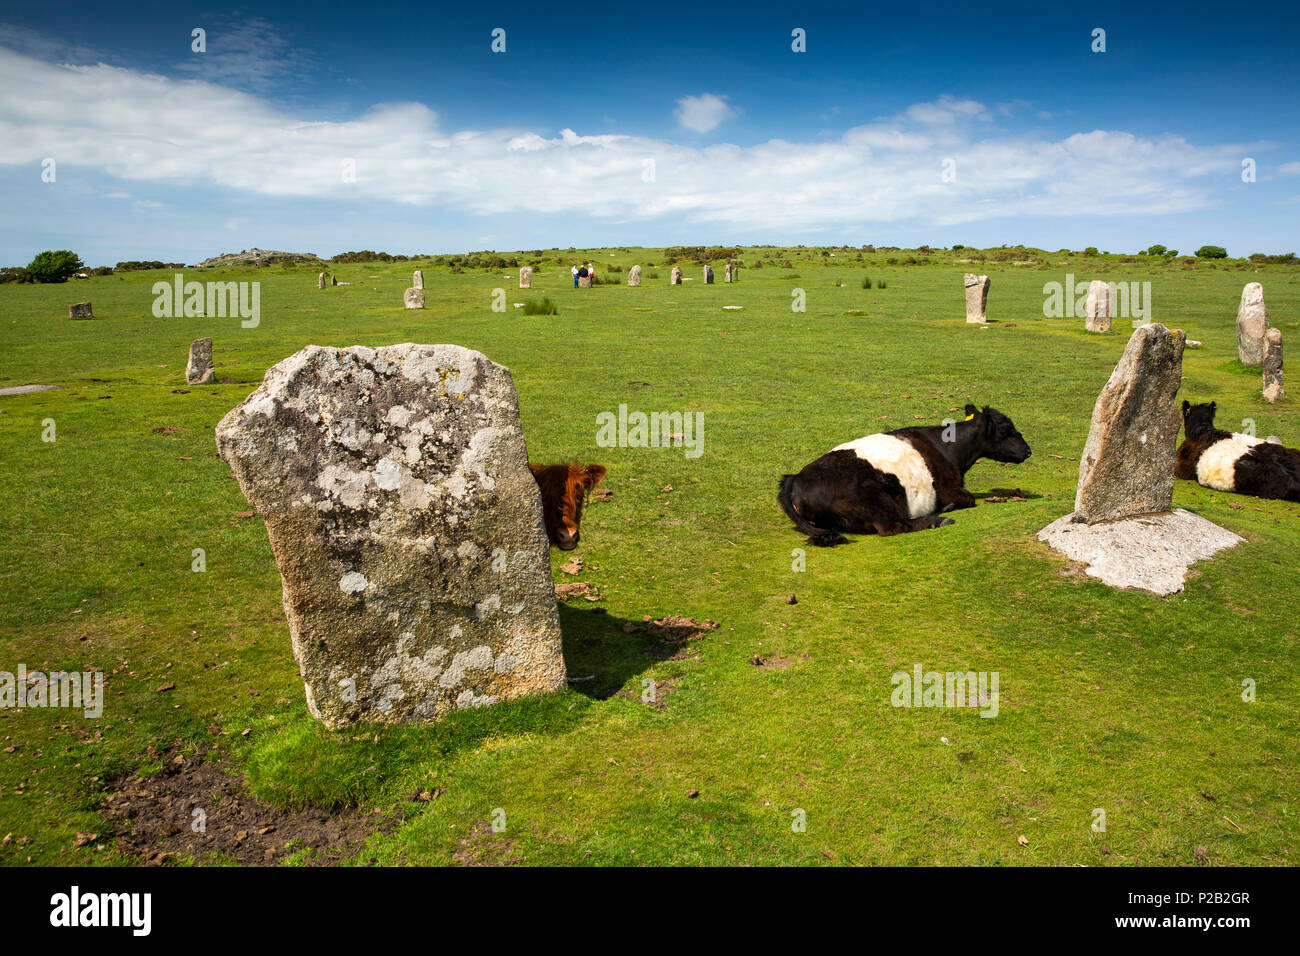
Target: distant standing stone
x,y
417,279
320,281
80,310
334,280
634,276
708,275
199,370
676,277
1273,390
413,298
977,294
584,282
1097,314
407,529
525,277
1252,325
1127,465
726,273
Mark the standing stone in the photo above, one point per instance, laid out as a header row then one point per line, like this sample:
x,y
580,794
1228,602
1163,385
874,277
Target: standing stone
x,y
1252,325
413,298
977,295
80,310
334,280
726,273
417,279
708,275
406,526
525,277
200,370
1273,390
1127,466
584,282
634,276
1097,307
676,277
320,281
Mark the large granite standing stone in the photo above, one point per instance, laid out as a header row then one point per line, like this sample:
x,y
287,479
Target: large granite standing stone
x,y
1273,386
80,310
1127,465
1097,307
584,282
200,370
525,277
708,275
977,296
675,278
1252,325
320,280
634,275
413,298
417,279
726,273
406,526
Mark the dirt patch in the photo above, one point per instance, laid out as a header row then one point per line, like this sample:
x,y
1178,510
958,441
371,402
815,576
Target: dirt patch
x,y
773,663
168,430
572,589
482,847
153,818
676,635
999,495
636,694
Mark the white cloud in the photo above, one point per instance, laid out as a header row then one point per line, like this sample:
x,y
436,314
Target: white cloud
x,y
157,130
702,113
1289,169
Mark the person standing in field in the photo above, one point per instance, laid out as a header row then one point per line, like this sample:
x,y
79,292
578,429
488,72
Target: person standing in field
x,y
575,277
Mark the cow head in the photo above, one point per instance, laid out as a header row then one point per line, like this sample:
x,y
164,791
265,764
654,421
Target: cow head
x,y
997,437
1198,417
564,489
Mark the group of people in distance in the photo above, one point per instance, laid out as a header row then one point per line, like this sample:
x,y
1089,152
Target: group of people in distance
x,y
582,272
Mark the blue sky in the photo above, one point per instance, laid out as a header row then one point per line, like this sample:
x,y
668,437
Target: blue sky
x,y
644,126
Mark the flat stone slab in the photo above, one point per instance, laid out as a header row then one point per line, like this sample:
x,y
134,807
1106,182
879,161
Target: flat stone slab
x,y
27,389
1151,552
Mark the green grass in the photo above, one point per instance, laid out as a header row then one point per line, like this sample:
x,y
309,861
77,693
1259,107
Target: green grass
x,y
1109,699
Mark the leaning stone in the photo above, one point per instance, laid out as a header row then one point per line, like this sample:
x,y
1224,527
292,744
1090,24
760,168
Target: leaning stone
x,y
977,295
1273,390
333,279
708,275
525,277
1151,552
406,527
1127,465
1252,325
1097,314
413,298
80,310
634,275
676,277
320,281
417,279
200,370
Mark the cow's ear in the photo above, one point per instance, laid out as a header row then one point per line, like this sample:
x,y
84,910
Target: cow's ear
x,y
592,474
1186,406
970,409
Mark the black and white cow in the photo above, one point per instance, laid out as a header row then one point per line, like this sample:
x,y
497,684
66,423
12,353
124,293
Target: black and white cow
x,y
896,481
1227,461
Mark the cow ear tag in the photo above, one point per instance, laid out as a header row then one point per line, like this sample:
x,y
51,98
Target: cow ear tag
x,y
969,417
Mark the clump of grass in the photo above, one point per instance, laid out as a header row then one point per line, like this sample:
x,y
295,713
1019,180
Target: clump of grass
x,y
866,282
540,307
882,284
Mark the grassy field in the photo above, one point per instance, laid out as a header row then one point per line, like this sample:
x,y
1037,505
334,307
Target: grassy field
x,y
1112,700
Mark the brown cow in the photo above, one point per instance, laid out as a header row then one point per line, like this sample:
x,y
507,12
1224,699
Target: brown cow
x,y
564,489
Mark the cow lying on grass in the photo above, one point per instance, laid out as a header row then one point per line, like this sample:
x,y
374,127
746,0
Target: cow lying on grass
x,y
1233,462
897,481
564,489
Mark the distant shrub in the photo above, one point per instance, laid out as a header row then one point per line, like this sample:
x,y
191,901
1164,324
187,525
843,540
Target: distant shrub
x,y
785,264
540,307
958,247
142,265
1211,252
652,274
15,274
54,265
1156,250
1090,251
614,268
1128,258
866,282
1273,260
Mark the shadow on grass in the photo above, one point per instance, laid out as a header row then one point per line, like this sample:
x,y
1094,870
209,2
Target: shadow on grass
x,y
601,652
